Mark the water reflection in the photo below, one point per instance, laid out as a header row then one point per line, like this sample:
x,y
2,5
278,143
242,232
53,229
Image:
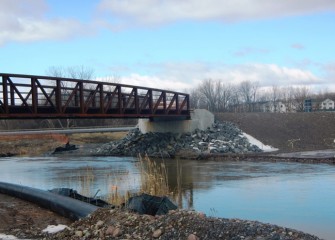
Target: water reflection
x,y
294,195
85,174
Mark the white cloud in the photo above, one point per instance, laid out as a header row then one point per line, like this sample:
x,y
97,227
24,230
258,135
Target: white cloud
x,y
180,76
158,82
25,21
329,74
152,12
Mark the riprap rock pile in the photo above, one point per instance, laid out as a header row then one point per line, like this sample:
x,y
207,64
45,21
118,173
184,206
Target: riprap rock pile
x,y
222,137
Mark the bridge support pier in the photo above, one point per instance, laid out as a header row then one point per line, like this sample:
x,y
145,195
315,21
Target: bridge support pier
x,y
200,119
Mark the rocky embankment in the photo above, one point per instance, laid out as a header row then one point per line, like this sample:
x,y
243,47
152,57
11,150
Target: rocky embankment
x,y
222,137
180,224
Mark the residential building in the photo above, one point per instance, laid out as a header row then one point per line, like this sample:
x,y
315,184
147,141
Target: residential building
x,y
270,106
327,105
312,105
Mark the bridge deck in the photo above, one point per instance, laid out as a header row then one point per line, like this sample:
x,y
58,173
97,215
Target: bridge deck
x,y
28,96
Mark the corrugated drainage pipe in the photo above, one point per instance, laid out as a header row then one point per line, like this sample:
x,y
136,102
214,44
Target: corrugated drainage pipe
x,y
65,206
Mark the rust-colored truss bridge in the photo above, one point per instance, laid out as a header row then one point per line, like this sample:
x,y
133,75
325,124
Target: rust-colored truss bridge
x,y
28,96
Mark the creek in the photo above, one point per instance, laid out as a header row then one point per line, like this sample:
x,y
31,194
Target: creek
x,y
289,194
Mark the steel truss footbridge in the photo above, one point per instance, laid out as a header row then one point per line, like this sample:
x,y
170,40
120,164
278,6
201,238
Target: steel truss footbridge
x,y
29,96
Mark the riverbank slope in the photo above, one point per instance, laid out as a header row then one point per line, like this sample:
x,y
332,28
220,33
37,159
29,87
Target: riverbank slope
x,y
290,132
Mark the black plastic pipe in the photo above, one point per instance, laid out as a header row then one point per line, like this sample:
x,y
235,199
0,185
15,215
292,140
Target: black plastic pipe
x,y
64,206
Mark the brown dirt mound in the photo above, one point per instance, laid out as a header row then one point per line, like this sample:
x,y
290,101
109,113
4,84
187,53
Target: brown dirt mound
x,y
287,131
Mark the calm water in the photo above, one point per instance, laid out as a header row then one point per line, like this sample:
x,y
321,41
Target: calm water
x,y
293,195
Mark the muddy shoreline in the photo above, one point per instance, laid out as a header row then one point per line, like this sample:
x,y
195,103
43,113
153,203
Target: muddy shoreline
x,y
263,157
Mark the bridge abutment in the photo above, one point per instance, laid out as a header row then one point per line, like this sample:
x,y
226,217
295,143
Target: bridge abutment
x,y
200,119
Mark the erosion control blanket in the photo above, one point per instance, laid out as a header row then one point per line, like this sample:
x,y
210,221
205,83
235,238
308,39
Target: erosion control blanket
x,y
68,192
152,205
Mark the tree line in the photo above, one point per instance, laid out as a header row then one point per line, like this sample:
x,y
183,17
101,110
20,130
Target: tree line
x,y
247,96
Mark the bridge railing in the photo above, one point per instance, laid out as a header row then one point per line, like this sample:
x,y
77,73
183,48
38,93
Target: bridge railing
x,y
28,96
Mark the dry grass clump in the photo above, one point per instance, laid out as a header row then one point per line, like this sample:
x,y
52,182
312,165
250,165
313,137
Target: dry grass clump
x,y
154,178
116,198
86,181
154,181
82,138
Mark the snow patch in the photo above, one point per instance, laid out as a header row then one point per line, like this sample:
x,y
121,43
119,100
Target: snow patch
x,y
54,228
7,237
254,141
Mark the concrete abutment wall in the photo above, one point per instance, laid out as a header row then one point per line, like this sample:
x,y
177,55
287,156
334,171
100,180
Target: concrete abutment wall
x,y
200,119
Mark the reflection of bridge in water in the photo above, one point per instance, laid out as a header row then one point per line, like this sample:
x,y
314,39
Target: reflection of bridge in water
x,y
28,96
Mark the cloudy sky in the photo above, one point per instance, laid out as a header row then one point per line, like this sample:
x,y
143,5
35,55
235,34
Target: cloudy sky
x,y
174,44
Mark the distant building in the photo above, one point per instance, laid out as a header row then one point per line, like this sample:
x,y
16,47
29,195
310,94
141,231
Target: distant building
x,y
270,106
327,104
309,105
312,105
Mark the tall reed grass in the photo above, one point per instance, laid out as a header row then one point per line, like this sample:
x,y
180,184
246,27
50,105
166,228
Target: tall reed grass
x,y
154,177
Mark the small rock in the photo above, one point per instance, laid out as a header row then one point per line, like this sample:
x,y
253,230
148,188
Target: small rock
x,y
117,232
110,230
99,224
203,144
157,233
78,233
192,237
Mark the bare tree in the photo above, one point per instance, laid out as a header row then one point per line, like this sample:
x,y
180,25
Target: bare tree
x,y
300,95
195,98
224,95
248,92
113,78
56,71
275,96
234,100
287,96
207,89
78,72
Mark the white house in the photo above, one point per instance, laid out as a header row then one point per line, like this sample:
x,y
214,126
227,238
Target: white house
x,y
281,107
327,104
273,107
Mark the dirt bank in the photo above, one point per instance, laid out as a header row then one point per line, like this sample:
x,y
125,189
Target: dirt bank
x,y
25,220
37,144
289,132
